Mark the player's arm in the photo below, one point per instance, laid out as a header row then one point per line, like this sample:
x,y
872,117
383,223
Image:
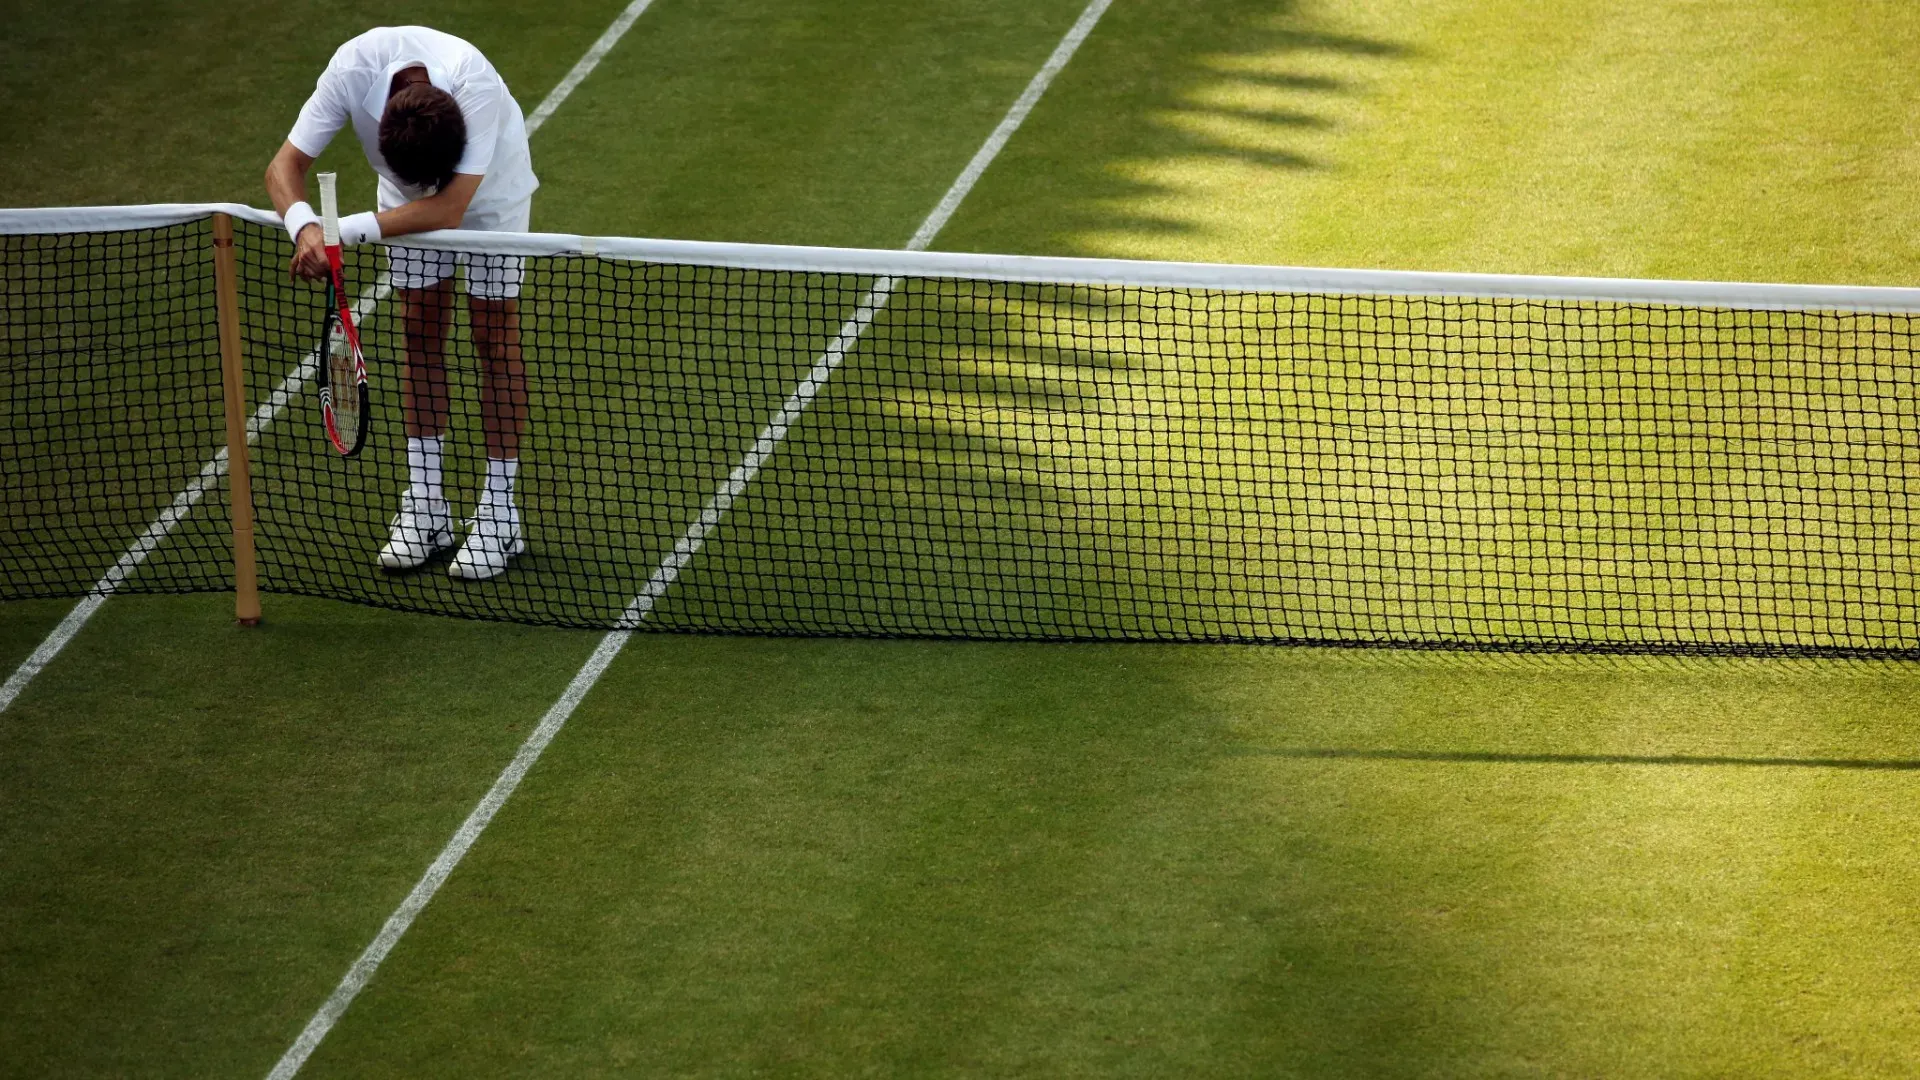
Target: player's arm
x,y
287,187
444,209
323,115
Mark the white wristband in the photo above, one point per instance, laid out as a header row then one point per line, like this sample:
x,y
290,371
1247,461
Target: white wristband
x,y
297,217
359,228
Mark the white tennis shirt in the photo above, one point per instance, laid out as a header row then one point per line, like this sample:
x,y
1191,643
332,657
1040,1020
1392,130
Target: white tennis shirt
x,y
355,87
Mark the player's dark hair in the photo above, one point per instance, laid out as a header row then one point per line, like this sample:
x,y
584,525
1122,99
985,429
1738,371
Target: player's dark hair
x,y
422,135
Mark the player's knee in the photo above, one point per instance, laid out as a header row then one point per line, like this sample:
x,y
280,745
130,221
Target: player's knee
x,y
496,344
495,326
425,307
506,375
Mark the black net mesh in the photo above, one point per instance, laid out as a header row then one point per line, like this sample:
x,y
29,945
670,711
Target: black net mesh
x,y
111,415
773,451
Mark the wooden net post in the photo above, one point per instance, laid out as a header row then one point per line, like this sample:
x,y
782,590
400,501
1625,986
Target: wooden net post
x,y
246,580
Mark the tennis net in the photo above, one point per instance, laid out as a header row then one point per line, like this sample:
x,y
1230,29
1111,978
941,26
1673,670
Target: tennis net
x,y
740,438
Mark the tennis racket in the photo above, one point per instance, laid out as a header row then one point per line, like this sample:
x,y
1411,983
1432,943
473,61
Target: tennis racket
x,y
344,402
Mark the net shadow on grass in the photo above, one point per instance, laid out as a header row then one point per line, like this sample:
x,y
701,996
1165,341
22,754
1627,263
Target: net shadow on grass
x,y
1492,757
1755,669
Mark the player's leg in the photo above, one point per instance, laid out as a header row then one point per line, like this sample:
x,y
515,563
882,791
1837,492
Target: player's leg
x,y
423,280
427,316
493,310
503,390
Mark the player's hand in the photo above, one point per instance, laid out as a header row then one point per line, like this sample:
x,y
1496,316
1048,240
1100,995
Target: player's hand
x,y
309,255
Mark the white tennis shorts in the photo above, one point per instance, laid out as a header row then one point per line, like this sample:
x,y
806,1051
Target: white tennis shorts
x,y
489,277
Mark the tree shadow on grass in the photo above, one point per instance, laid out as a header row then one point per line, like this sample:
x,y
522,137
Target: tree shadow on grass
x,y
1241,83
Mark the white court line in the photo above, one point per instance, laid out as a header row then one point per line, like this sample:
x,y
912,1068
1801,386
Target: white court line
x,y
1009,124
587,63
450,856
684,550
291,387
770,438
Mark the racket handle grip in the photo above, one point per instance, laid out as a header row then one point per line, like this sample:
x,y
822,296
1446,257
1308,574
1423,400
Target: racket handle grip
x,y
329,209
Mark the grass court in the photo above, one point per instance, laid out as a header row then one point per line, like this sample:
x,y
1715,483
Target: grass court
x,y
749,855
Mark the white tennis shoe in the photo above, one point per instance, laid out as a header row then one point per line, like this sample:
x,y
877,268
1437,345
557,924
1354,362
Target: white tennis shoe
x,y
422,528
493,538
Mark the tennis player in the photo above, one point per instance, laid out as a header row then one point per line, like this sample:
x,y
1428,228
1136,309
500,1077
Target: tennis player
x,y
450,144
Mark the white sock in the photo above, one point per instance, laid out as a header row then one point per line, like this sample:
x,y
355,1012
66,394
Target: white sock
x,y
423,468
498,495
